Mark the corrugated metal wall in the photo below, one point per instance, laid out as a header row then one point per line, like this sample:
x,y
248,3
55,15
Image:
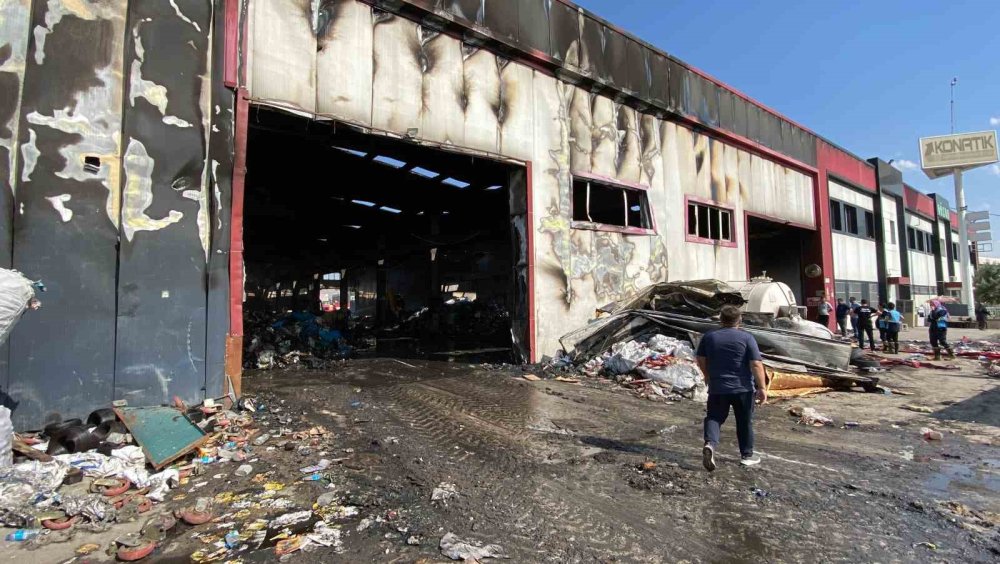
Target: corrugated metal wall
x,y
110,198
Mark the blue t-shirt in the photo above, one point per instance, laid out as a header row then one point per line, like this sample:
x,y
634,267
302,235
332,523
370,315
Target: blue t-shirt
x,y
729,352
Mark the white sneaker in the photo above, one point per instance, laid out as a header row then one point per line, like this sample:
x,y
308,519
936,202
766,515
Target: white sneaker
x,y
752,460
708,457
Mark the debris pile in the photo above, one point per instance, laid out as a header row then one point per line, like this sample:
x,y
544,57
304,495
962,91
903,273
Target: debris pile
x,y
647,340
292,339
125,462
656,367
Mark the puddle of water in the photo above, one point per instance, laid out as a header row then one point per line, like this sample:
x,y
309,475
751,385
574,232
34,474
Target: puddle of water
x,y
981,477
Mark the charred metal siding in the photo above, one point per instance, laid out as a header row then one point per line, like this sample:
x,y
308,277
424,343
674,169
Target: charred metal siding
x,y
109,198
397,76
14,30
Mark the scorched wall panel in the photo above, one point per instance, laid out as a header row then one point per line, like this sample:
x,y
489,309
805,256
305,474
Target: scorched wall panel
x,y
433,88
15,19
66,208
166,220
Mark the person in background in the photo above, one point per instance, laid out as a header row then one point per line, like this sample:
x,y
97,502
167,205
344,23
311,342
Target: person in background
x,y
880,325
893,323
921,313
981,315
938,330
843,312
854,316
731,363
823,312
865,313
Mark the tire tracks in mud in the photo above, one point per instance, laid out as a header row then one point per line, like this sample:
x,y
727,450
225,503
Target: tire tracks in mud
x,y
572,513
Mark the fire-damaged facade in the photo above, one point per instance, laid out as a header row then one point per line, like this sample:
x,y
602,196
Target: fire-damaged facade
x,y
171,168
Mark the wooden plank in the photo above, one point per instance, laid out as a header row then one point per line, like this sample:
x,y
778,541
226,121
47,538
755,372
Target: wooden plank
x,y
62,356
397,78
283,54
166,202
344,62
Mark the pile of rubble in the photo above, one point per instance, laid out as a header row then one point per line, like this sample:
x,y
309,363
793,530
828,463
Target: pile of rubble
x,y
657,367
292,339
646,341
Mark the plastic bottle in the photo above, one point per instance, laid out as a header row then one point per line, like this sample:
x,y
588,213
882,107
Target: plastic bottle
x,y
23,535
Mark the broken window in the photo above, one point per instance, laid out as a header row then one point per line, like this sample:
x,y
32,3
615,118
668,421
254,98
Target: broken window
x,y
710,222
611,205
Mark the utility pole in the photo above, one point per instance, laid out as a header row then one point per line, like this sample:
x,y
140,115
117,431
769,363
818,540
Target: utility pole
x,y
954,81
963,242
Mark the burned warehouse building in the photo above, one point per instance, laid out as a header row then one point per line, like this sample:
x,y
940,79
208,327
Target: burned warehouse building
x,y
193,179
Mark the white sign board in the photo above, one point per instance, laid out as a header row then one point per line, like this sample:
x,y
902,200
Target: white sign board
x,y
976,216
980,236
941,155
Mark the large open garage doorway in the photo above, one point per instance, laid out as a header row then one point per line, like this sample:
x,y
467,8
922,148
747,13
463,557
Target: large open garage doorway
x,y
362,245
779,250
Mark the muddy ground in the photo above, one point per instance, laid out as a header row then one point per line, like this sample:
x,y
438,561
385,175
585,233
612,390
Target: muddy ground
x,y
551,471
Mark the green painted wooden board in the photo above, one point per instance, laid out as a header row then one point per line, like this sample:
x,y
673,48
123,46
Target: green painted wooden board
x,y
164,433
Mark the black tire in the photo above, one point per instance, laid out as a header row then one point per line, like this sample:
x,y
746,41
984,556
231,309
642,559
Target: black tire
x,y
101,416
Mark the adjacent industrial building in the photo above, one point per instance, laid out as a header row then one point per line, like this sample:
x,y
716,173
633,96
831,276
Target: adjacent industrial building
x,y
167,165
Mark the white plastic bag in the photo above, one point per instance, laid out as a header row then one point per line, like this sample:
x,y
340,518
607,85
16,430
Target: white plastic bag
x,y
16,292
626,356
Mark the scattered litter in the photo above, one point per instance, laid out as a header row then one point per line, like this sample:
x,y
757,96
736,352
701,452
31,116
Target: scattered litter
x,y
444,492
926,544
290,519
531,378
758,492
458,549
930,434
244,471
809,416
916,408
413,540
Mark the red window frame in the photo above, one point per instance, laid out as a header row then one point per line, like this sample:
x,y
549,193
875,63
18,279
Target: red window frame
x,y
595,226
688,200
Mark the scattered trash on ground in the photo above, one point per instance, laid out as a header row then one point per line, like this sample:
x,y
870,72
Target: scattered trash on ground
x,y
916,408
444,492
469,551
809,416
930,434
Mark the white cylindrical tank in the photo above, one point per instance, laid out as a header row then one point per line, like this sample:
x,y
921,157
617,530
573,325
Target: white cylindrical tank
x,y
764,295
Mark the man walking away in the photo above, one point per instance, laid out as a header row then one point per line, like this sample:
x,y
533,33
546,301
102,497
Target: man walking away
x,y
893,324
843,311
938,321
854,316
981,314
730,361
823,312
864,325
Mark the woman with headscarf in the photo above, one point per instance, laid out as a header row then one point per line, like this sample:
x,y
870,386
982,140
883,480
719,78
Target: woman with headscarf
x,y
938,322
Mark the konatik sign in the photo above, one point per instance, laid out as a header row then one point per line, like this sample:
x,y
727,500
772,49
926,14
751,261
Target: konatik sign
x,y
941,155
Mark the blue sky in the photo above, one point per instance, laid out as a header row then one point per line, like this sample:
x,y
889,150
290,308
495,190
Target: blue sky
x,y
872,76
